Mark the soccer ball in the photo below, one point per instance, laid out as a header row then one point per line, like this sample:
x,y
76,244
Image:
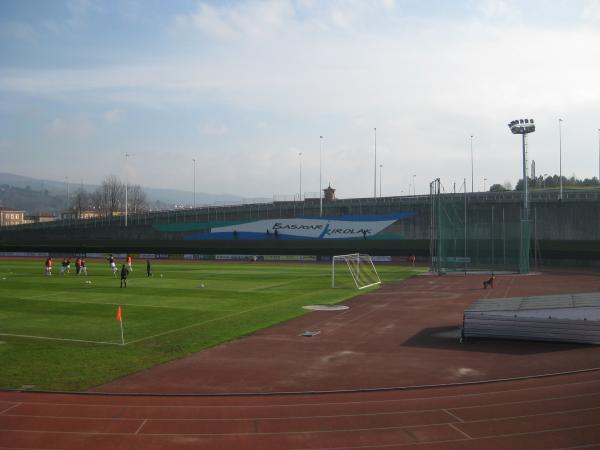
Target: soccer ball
x,y
201,285
161,275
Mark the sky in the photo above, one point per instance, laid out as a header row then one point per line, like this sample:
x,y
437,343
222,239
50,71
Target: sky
x,y
245,87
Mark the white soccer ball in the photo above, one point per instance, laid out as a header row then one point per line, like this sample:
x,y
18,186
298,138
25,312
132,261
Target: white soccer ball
x,y
161,275
201,285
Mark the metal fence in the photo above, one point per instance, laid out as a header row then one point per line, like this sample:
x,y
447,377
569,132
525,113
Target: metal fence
x,y
309,207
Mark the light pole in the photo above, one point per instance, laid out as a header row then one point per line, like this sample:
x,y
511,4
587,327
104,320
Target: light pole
x,y
599,155
67,180
380,170
414,186
320,176
126,183
472,163
375,167
194,161
484,180
300,162
524,127
560,195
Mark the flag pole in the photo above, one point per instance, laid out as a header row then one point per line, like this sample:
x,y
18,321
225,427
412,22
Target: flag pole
x,y
120,319
122,339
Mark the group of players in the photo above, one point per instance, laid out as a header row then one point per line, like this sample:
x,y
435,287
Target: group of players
x,y
65,267
81,268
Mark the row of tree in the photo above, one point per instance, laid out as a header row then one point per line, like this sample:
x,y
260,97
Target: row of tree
x,y
109,197
549,182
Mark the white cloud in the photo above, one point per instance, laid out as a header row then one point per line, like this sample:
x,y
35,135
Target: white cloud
x,y
111,116
71,129
212,129
19,31
591,10
306,68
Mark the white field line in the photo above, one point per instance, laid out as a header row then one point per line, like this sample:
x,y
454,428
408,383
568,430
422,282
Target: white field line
x,y
267,286
102,303
146,337
209,321
59,339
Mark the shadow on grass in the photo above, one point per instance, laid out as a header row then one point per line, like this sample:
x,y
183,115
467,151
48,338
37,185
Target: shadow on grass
x,y
448,338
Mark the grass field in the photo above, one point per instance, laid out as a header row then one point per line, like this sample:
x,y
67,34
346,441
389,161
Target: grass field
x,y
61,332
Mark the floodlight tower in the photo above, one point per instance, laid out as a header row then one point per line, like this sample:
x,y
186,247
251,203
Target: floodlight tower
x,y
524,127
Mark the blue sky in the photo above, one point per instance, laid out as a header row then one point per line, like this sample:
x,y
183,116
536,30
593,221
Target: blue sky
x,y
245,86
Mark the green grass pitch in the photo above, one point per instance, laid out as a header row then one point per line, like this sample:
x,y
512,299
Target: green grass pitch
x,y
61,332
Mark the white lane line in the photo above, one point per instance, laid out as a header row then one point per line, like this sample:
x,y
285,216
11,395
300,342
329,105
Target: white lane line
x,y
11,407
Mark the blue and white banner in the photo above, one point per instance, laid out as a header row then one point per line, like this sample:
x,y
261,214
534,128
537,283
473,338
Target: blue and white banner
x,y
340,227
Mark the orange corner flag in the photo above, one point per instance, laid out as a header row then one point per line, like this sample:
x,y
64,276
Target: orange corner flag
x,y
119,318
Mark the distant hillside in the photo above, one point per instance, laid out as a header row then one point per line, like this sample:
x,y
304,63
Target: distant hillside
x,y
35,195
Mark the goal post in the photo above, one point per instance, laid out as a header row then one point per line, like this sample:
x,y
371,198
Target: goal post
x,y
360,267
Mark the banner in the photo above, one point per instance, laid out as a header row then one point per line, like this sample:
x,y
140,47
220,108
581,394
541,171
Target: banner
x,y
340,227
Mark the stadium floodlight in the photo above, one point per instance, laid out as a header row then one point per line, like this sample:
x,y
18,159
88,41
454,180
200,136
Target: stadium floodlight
x,y
524,127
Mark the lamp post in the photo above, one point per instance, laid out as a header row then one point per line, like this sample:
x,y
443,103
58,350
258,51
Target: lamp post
x,y
67,180
380,170
194,161
599,155
560,195
320,176
375,167
472,163
524,127
414,186
484,180
300,190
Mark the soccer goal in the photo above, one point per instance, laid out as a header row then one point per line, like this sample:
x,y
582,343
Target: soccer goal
x,y
359,266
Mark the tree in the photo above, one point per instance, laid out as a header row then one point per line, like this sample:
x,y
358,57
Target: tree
x,y
136,197
110,196
80,202
497,188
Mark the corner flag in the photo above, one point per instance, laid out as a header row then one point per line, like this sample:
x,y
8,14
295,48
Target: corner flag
x,y
120,319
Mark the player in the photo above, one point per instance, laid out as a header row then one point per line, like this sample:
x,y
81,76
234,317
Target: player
x,y
48,266
112,265
78,265
68,267
82,267
148,268
129,263
124,274
63,266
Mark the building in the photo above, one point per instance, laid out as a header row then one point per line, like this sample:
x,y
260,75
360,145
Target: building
x,y
329,193
72,214
10,218
41,217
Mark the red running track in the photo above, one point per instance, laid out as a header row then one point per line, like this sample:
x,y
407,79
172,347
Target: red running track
x,y
558,412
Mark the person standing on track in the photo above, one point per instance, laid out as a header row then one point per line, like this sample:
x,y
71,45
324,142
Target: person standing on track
x,y
129,263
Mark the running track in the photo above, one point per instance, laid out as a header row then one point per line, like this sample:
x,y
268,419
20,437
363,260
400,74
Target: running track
x,y
549,412
559,412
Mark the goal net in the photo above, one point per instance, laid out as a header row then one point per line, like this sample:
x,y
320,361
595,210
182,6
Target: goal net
x,y
355,269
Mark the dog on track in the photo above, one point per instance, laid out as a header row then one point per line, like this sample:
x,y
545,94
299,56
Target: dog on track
x,y
489,282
